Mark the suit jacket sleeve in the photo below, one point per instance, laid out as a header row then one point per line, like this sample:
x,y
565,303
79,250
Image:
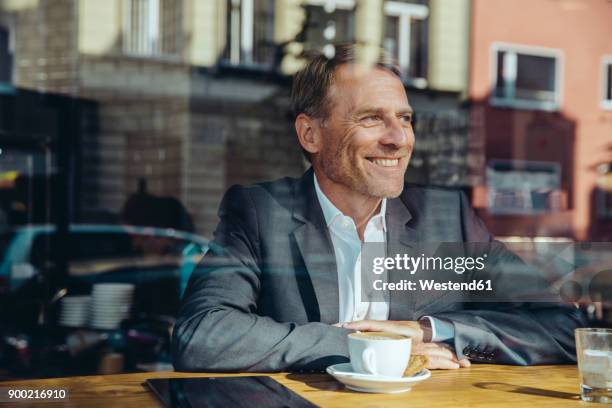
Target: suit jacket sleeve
x,y
511,333
218,328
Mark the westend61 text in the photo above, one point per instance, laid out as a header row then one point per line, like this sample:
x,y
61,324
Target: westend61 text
x,y
430,284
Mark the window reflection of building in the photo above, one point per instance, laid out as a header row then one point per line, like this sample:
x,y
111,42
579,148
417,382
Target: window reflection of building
x,y
250,32
405,31
326,25
406,38
152,27
443,155
527,77
524,187
160,119
6,58
603,192
186,124
142,27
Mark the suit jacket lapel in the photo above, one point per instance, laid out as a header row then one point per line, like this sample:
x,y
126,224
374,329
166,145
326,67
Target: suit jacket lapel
x,y
316,248
400,239
315,245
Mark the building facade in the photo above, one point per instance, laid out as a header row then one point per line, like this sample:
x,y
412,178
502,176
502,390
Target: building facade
x,y
193,96
540,83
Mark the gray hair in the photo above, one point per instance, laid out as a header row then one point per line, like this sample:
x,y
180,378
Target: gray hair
x,y
311,84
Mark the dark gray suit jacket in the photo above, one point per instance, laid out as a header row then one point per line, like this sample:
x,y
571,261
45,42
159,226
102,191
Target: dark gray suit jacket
x,y
265,296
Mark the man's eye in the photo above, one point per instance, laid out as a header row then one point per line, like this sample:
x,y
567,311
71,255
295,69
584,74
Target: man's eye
x,y
371,119
407,119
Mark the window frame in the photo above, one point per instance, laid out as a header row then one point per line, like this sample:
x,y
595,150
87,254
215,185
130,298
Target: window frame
x,y
153,37
531,50
345,5
241,47
339,4
405,12
606,104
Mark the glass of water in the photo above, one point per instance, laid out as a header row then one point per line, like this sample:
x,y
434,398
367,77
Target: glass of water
x,y
594,351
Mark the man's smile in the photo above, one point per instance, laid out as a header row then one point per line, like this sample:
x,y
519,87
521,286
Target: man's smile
x,y
387,162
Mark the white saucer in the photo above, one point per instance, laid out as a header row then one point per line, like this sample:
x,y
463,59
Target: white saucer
x,y
374,383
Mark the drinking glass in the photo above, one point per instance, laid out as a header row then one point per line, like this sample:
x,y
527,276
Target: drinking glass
x,y
594,352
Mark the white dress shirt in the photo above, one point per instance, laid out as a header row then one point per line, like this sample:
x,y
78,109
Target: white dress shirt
x,y
347,248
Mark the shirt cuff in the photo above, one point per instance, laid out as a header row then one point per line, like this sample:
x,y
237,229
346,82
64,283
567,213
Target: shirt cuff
x,y
441,330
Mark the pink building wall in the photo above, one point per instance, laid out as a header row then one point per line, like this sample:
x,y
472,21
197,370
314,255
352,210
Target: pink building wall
x,y
582,30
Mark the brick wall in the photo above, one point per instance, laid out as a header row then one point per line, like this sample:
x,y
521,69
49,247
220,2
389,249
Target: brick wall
x,y
45,47
189,135
143,116
236,141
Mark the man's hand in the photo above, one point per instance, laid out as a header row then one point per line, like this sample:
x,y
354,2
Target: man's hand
x,y
439,355
411,329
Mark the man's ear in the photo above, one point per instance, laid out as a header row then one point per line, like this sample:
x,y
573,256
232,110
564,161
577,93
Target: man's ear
x,y
308,133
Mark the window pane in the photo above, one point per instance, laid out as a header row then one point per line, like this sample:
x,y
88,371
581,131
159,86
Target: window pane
x,y
263,36
340,23
263,48
232,33
143,27
6,59
390,43
171,21
499,79
535,78
418,49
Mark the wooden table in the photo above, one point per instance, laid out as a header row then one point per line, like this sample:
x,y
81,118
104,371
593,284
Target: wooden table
x,y
480,385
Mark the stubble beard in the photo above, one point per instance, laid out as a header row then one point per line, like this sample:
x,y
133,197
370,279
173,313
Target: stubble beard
x,y
336,168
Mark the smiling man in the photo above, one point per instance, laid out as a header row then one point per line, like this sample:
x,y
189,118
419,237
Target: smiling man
x,y
280,286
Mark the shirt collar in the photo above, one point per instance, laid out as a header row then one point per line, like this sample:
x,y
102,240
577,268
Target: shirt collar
x,y
330,211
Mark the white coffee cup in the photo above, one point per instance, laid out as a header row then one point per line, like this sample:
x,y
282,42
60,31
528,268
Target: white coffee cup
x,y
379,353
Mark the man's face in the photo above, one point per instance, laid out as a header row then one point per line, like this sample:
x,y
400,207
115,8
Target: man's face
x,y
367,139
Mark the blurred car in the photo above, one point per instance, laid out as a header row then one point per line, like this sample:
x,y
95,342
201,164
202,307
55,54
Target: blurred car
x,y
106,253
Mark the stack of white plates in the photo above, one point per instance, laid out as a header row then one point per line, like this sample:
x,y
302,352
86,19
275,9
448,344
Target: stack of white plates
x,y
111,303
74,312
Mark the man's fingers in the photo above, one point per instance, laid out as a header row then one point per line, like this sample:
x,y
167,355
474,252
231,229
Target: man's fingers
x,y
405,328
439,352
425,347
432,345
366,325
435,349
465,363
440,363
